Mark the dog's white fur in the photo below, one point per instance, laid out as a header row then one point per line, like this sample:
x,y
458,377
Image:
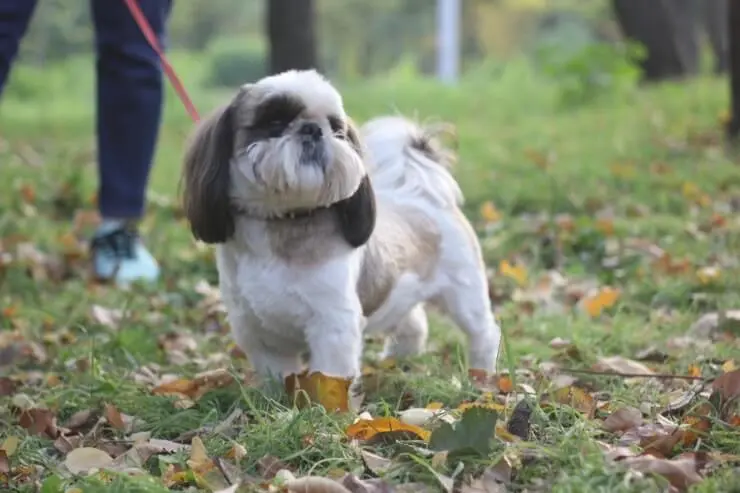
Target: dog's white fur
x,y
296,286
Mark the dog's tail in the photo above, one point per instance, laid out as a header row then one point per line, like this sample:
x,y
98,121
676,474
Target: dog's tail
x,y
406,160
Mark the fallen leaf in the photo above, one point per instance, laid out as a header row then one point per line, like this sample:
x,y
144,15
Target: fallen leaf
x,y
4,464
708,275
696,424
711,325
84,459
40,422
473,433
269,465
8,386
654,438
694,371
681,473
113,416
10,445
365,429
623,419
315,484
516,272
597,302
353,484
375,464
106,316
727,385
576,398
330,392
729,366
652,354
489,213
237,452
618,364
518,424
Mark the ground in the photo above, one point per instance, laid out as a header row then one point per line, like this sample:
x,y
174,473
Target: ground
x,y
608,229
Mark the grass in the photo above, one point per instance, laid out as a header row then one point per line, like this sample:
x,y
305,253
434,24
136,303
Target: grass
x,y
650,161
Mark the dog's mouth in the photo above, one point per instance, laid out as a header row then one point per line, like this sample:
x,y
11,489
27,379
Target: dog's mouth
x,y
313,153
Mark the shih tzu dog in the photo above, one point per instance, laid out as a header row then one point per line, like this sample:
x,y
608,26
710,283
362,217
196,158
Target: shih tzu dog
x,y
325,233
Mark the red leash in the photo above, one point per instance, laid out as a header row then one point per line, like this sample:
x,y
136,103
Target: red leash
x,y
146,29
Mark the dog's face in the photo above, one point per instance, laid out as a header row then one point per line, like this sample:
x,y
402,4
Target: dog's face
x,y
282,144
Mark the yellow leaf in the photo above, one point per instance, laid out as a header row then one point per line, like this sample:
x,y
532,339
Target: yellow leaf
x,y
366,429
694,371
489,213
707,275
574,397
729,366
541,160
624,171
10,445
493,406
435,406
606,297
516,272
330,392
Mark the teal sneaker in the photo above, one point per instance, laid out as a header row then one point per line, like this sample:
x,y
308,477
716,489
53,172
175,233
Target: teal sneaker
x,y
119,255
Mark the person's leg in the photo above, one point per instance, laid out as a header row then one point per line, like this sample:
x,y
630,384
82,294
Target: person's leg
x,y
129,106
14,18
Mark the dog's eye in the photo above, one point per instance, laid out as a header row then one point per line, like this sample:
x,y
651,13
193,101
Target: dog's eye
x,y
337,127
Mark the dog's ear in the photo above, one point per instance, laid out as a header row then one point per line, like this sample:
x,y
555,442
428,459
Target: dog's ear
x,y
206,178
353,137
356,214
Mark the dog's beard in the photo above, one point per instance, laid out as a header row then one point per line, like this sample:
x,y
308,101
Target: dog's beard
x,y
279,175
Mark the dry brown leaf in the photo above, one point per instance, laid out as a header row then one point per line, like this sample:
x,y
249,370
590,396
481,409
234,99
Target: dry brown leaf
x,y
623,419
4,463
315,484
106,316
269,465
696,424
618,364
83,460
727,385
8,386
113,416
375,464
355,485
40,422
237,452
681,473
654,438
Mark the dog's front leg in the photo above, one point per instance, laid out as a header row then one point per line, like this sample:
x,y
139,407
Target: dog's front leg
x,y
335,342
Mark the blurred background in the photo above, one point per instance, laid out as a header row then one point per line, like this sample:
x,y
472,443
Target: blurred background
x,y
579,42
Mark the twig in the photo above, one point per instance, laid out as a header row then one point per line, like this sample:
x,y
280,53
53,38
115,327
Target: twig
x,y
632,375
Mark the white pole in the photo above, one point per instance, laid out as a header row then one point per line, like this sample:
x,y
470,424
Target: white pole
x,y
448,40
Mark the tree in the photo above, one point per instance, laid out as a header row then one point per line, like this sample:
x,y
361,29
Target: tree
x,y
667,29
291,29
733,26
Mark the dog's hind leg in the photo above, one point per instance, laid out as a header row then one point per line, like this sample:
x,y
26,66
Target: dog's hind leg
x,y
409,337
466,301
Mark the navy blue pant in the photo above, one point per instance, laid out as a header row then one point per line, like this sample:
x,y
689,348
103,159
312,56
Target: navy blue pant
x,y
129,94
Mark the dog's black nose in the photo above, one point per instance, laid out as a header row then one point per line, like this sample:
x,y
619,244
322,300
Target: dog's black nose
x,y
311,130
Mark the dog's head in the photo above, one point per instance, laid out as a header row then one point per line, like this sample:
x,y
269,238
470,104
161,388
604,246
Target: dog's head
x,y
281,145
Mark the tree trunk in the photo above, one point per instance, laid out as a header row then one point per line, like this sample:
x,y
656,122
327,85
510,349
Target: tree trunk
x,y
733,26
714,16
291,31
667,30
